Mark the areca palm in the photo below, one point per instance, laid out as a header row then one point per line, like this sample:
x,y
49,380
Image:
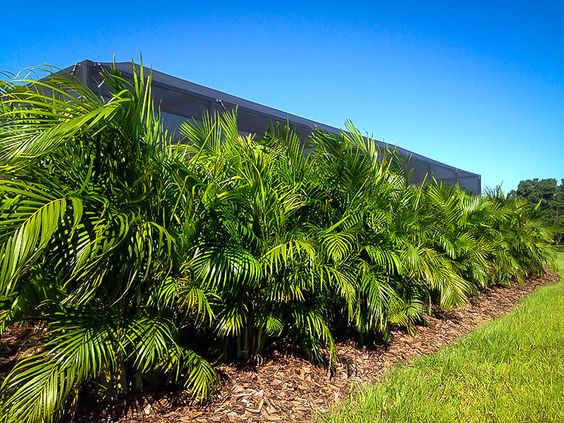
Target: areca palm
x,y
256,248
364,189
92,201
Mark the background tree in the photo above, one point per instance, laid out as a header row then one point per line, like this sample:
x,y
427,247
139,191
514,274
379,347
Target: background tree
x,y
550,196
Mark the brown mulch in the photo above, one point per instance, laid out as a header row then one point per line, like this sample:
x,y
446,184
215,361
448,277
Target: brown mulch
x,y
289,388
15,343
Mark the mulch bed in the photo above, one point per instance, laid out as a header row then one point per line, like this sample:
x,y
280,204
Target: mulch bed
x,y
289,388
15,342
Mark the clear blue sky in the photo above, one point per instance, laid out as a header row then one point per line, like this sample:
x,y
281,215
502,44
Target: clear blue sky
x,y
478,86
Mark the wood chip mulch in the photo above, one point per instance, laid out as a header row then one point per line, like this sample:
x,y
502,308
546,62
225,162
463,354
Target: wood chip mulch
x,y
289,388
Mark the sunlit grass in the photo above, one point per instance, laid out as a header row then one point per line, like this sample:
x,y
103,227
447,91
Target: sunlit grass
x,y
510,370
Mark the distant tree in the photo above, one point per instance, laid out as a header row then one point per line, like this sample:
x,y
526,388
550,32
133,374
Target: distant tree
x,y
550,197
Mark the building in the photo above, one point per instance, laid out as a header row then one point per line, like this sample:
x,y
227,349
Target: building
x,y
180,100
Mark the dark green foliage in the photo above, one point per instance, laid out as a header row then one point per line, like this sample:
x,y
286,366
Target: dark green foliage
x,y
141,255
550,198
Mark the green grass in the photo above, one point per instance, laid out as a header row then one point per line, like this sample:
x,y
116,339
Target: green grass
x,y
509,370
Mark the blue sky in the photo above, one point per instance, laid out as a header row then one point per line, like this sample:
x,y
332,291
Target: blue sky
x,y
476,85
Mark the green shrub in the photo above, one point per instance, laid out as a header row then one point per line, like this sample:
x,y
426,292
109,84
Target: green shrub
x,y
142,256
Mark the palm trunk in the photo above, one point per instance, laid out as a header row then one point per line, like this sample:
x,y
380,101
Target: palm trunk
x,y
120,378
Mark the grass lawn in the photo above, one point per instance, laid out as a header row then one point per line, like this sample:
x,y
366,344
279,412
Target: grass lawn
x,y
509,370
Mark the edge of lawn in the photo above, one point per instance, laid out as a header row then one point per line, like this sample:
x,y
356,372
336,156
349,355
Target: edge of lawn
x,y
510,369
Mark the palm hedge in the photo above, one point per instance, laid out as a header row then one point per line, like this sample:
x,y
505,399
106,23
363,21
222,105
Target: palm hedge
x,y
143,255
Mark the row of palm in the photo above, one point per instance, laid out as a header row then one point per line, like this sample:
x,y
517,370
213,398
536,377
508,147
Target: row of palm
x,y
142,258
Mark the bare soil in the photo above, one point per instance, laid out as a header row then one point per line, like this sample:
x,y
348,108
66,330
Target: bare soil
x,y
286,387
